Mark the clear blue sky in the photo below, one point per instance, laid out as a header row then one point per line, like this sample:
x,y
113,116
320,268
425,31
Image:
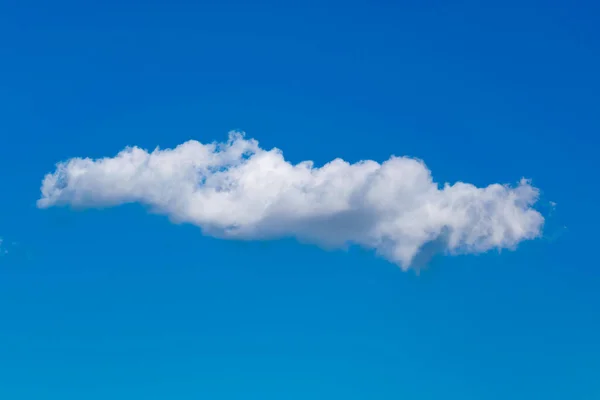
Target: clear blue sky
x,y
119,303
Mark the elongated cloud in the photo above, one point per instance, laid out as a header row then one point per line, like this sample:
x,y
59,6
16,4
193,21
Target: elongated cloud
x,y
237,190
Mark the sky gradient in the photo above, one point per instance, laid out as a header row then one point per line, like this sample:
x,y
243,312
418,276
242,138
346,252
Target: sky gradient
x,y
120,302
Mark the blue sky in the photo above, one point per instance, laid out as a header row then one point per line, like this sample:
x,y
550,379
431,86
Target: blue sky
x,y
119,303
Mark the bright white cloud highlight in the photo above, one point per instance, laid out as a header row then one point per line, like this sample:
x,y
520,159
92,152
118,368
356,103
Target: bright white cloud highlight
x,y
237,190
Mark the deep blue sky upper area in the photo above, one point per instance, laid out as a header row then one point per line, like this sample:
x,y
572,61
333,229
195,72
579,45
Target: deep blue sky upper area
x,y
121,304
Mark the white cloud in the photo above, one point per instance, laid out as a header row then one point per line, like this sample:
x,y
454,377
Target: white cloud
x,y
3,249
237,190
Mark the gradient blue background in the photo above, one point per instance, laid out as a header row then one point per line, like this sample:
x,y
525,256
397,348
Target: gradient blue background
x,y
119,304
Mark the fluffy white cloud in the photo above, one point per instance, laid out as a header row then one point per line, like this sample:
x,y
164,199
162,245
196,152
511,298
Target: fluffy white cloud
x,y
237,190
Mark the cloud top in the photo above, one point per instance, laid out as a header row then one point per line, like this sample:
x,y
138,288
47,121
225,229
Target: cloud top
x,y
237,190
